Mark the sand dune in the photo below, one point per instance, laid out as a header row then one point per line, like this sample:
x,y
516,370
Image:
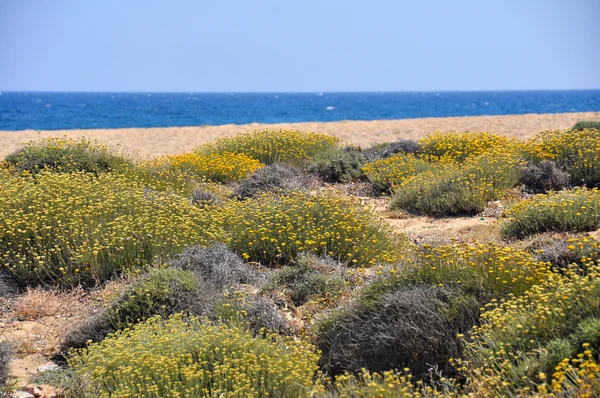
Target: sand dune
x,y
170,140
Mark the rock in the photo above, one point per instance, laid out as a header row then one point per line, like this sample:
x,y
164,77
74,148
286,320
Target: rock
x,y
22,394
47,367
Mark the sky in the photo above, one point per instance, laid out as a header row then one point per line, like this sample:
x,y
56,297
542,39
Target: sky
x,y
299,46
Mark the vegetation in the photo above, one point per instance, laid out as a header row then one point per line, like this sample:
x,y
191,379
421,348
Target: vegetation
x,y
543,177
192,357
67,155
272,146
276,177
273,229
564,211
392,171
586,124
339,165
458,147
5,357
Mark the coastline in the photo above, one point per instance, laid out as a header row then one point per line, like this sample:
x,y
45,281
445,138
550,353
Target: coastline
x,y
159,141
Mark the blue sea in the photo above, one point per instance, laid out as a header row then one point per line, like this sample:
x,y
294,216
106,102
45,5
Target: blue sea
x,y
53,111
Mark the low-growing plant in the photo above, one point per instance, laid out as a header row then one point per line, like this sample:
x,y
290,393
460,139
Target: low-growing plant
x,y
70,229
68,155
577,210
543,177
272,146
302,281
338,165
561,252
273,229
412,327
585,125
220,167
5,358
389,149
524,344
452,189
460,146
575,152
389,172
202,198
276,177
192,357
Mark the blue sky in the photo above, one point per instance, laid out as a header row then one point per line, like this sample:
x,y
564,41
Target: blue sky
x,y
320,45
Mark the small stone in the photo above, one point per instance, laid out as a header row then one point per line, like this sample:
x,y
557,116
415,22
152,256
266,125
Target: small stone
x,y
37,392
22,394
47,367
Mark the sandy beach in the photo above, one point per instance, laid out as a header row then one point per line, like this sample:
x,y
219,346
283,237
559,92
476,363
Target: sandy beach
x,y
170,140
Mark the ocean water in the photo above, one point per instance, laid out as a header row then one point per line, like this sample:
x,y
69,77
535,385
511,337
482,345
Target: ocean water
x,y
53,111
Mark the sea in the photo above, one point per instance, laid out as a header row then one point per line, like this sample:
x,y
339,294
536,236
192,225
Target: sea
x,y
68,110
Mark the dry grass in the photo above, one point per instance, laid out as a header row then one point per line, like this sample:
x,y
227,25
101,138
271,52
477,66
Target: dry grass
x,y
39,303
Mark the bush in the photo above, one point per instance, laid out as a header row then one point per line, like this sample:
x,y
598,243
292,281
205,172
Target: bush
x,y
67,155
276,177
273,146
70,229
561,252
575,152
202,197
217,265
161,292
412,327
586,125
339,165
544,177
451,189
195,358
389,172
302,281
273,229
460,146
522,342
5,357
389,149
577,210
220,167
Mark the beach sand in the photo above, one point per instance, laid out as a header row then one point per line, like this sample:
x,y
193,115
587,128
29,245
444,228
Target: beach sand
x,y
171,140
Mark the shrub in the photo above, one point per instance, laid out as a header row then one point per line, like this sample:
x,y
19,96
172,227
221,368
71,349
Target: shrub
x,y
519,341
195,358
202,197
412,327
389,149
577,210
67,155
5,357
561,252
273,229
275,177
544,177
391,171
220,167
272,146
303,280
485,271
460,146
67,229
586,125
217,265
339,165
161,292
452,189
575,152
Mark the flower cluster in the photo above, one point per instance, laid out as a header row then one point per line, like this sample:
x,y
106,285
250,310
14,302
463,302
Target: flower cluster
x,y
270,146
460,146
219,167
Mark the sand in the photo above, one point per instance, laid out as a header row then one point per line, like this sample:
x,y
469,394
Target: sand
x,y
170,140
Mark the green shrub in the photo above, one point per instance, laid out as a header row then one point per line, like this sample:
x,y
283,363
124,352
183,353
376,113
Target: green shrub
x,y
389,172
575,152
577,210
451,189
272,146
305,279
67,155
190,357
273,229
69,229
522,343
586,124
339,165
